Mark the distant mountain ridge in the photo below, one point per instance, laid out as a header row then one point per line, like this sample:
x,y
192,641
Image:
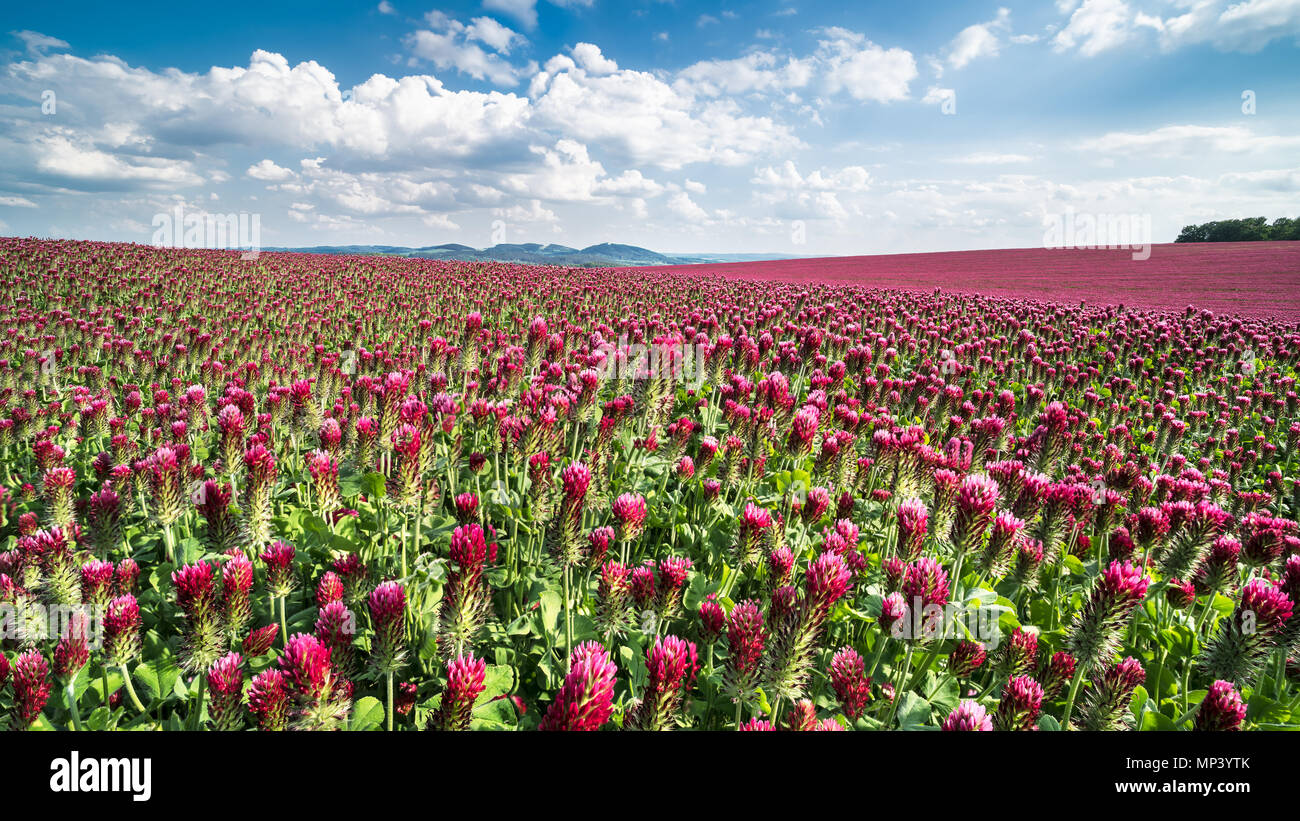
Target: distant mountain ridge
x,y
602,255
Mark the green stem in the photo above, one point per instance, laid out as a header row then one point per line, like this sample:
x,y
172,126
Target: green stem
x,y
1185,716
942,681
924,668
197,716
1074,693
130,690
389,677
568,615
1187,671
70,695
898,692
880,651
404,520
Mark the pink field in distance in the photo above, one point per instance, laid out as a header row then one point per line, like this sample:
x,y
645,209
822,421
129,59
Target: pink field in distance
x,y
1260,279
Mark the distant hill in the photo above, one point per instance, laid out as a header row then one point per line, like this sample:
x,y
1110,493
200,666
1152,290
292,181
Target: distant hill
x,y
603,255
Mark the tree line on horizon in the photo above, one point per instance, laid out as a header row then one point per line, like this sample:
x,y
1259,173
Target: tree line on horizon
x,y
1251,229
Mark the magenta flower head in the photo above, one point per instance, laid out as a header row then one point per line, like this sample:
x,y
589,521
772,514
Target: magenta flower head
x,y
1029,558
31,687
1056,673
1095,634
599,541
97,582
1019,656
925,584
712,619
816,504
712,488
1222,710
803,430
575,479
826,581
1219,567
745,641
226,684
757,725
469,549
122,629
1022,699
850,682
968,716
336,626
1149,527
642,580
585,701
164,474
894,570
612,598
565,536
671,665
629,516
73,649
268,700
672,573
1002,543
752,538
925,590
801,717
259,641
59,485
329,589
196,596
324,470
466,508
236,594
893,610
330,436
126,575
465,601
105,520
976,498
259,487
306,666
1262,542
913,519
465,676
1119,545
685,468
280,579
1244,642
1180,594
388,615
780,562
1106,704
966,658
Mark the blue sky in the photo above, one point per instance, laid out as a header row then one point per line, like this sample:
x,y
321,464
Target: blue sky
x,y
783,127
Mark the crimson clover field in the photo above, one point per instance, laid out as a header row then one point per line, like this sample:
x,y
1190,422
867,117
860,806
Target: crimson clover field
x,y
368,493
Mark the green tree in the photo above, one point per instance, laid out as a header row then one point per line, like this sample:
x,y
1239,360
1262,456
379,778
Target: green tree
x,y
1251,229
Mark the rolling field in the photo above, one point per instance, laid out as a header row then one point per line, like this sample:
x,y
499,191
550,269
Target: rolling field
x,y
1246,278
